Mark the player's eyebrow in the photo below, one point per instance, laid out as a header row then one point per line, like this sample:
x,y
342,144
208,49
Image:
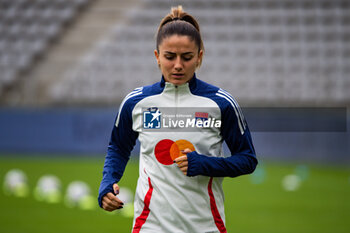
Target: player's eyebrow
x,y
171,53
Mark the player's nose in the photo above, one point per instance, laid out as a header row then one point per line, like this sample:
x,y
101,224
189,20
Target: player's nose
x,y
178,64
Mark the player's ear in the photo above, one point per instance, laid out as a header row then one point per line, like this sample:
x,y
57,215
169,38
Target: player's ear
x,y
156,54
200,57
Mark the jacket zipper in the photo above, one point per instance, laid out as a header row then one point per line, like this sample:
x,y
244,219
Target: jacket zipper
x,y
176,100
176,95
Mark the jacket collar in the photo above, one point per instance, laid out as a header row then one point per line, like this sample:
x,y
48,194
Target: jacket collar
x,y
192,83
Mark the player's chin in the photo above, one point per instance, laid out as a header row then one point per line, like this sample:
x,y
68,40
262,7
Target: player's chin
x,y
178,81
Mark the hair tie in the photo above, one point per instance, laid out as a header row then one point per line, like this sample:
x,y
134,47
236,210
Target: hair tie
x,y
176,18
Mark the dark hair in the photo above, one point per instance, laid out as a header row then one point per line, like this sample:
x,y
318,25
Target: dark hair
x,y
179,22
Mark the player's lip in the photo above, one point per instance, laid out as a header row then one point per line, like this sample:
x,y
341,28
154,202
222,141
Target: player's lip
x,y
178,75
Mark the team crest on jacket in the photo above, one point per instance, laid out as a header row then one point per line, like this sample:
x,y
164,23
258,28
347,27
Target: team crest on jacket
x,y
152,118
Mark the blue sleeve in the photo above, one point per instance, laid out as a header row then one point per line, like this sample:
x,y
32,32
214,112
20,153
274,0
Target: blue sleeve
x,y
122,141
235,132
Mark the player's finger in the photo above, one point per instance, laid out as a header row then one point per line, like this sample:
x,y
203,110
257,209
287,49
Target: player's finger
x,y
116,188
110,208
109,201
183,164
184,169
119,201
186,151
108,204
107,207
113,198
180,159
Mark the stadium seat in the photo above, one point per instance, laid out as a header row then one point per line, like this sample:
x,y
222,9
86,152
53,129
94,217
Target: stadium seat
x,y
263,51
26,27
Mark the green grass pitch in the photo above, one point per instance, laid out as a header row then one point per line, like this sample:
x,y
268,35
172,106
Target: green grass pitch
x,y
254,204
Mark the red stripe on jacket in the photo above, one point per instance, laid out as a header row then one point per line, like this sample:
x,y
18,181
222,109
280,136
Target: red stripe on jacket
x,y
214,209
140,220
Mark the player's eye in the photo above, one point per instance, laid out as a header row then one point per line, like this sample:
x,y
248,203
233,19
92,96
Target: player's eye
x,y
169,57
187,57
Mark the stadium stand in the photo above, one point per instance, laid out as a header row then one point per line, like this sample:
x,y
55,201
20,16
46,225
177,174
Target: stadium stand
x,y
264,52
268,52
27,27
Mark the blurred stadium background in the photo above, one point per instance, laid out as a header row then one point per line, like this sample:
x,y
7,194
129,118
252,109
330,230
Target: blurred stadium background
x,y
65,66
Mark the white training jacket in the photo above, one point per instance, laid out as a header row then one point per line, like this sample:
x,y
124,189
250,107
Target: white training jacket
x,y
166,200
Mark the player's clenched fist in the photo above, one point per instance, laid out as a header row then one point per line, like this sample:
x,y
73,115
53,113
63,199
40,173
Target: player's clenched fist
x,y
110,201
182,161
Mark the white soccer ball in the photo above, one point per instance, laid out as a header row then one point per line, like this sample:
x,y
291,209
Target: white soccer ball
x,y
78,194
15,183
291,182
48,189
127,197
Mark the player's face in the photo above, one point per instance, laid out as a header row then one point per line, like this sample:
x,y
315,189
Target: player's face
x,y
178,58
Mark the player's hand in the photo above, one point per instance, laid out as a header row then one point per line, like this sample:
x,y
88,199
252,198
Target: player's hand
x,y
182,161
110,202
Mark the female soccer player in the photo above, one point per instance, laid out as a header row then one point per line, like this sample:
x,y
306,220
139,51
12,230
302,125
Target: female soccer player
x,y
180,176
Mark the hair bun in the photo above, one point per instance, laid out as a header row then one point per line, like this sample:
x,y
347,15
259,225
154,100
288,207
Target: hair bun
x,y
177,12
